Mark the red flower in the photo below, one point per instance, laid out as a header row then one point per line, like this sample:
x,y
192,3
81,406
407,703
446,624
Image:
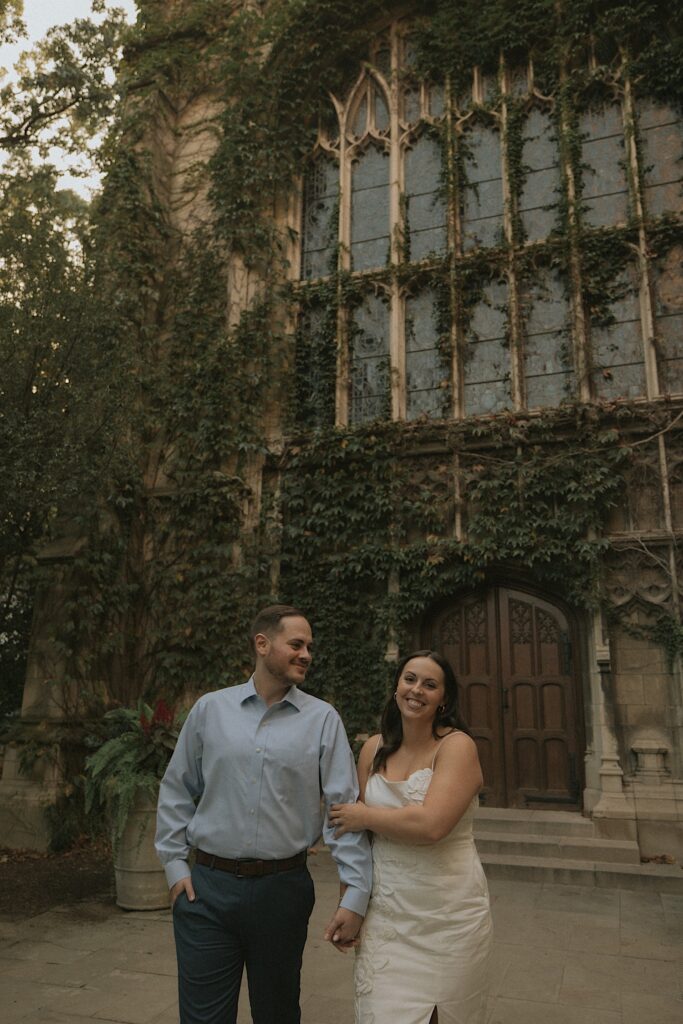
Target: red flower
x,y
163,715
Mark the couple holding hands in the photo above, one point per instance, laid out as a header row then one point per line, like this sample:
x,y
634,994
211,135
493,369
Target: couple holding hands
x,y
259,771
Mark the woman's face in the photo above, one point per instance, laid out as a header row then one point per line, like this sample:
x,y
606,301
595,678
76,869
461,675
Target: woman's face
x,y
421,689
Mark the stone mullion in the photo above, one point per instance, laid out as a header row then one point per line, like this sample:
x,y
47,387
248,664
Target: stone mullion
x,y
343,266
669,525
648,328
645,288
397,342
580,330
514,321
455,252
458,500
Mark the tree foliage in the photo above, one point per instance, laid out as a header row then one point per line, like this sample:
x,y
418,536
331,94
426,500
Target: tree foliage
x,y
56,339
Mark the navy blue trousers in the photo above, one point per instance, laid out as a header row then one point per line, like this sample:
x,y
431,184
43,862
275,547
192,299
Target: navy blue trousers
x,y
260,923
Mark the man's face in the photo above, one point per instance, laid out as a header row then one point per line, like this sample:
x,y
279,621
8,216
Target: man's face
x,y
287,653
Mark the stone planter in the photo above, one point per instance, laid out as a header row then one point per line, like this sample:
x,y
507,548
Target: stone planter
x,y
140,880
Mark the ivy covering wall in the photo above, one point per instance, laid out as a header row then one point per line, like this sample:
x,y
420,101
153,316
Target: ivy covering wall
x,y
225,489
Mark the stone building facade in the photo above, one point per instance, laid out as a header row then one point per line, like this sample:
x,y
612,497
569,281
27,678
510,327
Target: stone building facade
x,y
469,229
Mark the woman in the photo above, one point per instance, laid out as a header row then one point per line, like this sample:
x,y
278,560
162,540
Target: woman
x,y
427,936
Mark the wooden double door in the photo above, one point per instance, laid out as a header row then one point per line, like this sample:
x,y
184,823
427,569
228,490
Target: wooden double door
x,y
514,656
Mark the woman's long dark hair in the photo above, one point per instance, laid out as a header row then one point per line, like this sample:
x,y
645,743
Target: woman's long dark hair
x,y
448,719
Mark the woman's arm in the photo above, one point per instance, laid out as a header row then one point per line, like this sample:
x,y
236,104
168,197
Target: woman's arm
x,y
456,781
365,759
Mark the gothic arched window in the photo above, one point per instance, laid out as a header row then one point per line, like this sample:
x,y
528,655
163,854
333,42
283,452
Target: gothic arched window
x,y
446,245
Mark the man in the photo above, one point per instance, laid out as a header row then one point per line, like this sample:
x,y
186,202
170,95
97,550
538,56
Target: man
x,y
244,789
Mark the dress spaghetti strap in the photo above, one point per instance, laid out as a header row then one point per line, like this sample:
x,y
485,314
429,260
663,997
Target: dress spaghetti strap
x,y
454,733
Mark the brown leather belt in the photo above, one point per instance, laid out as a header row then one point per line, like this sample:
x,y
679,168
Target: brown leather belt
x,y
250,868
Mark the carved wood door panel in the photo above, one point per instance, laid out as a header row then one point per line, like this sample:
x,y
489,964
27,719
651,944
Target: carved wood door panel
x,y
512,654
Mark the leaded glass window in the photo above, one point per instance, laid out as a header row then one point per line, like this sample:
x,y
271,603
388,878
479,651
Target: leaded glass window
x,y
425,209
369,349
320,216
452,232
617,348
482,199
542,184
605,190
370,224
486,366
661,135
427,368
669,318
548,371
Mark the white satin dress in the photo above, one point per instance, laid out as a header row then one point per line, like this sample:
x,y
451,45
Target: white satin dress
x,y
427,936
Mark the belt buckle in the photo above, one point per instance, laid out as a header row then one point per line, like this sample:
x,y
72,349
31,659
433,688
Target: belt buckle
x,y
238,873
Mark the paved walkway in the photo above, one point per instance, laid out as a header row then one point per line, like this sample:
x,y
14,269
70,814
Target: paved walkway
x,y
563,955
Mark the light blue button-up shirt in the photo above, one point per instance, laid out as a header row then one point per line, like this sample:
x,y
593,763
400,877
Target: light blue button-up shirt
x,y
246,780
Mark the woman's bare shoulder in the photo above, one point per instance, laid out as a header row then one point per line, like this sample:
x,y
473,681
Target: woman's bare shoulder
x,y
370,748
371,745
456,745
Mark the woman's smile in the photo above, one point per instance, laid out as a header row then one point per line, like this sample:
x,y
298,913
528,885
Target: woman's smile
x,y
421,688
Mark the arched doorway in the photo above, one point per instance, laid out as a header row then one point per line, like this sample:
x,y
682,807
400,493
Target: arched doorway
x,y
515,657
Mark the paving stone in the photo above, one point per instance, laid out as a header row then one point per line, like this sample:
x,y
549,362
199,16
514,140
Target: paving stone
x,y
43,952
646,947
640,1008
671,902
46,1016
522,1011
627,974
598,938
589,987
323,1009
19,998
535,975
578,900
538,929
123,996
504,891
580,956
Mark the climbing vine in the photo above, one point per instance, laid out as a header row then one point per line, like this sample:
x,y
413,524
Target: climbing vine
x,y
363,527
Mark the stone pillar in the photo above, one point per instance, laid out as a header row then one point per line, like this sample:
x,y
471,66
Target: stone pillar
x,y
26,794
611,808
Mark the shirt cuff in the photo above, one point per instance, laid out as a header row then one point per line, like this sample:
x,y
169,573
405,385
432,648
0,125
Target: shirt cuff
x,y
355,900
176,870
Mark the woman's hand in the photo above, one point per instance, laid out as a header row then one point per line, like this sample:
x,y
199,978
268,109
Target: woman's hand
x,y
348,818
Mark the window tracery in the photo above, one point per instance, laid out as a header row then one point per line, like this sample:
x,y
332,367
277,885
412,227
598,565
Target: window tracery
x,y
414,187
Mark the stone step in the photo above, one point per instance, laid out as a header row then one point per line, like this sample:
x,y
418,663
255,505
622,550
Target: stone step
x,y
523,822
568,848
601,874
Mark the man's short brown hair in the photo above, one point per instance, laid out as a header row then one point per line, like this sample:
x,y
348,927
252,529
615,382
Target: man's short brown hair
x,y
268,620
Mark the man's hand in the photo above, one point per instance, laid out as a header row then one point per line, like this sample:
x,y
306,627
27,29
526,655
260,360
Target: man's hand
x,y
184,885
342,931
348,818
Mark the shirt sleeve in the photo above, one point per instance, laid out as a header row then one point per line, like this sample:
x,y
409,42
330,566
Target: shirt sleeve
x,y
339,784
180,788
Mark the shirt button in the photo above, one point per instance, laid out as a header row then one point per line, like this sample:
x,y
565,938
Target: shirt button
x,y
251,812
258,750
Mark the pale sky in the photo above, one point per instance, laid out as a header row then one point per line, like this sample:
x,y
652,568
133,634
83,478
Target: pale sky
x,y
39,16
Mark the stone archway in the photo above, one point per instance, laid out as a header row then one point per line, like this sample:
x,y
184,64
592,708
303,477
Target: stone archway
x,y
516,658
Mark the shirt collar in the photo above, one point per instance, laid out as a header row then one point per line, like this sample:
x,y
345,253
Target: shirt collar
x,y
294,696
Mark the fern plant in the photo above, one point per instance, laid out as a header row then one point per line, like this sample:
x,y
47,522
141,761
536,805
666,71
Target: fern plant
x,y
131,761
